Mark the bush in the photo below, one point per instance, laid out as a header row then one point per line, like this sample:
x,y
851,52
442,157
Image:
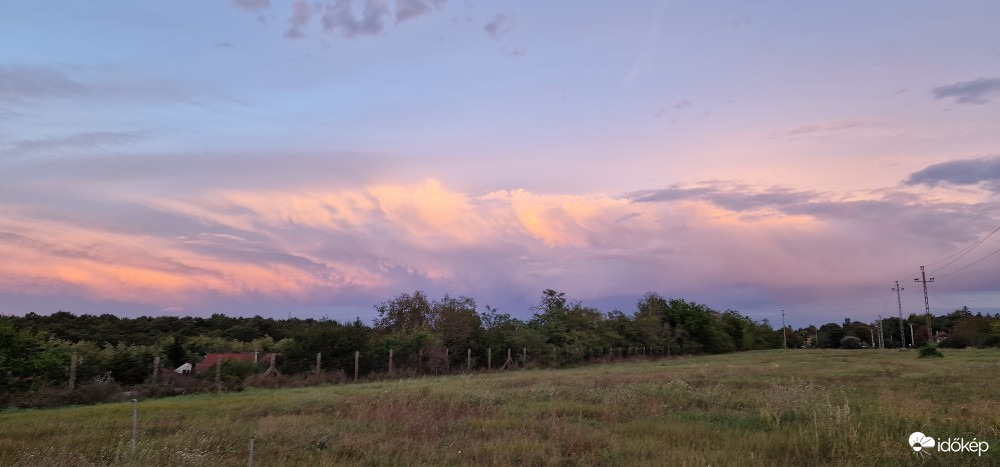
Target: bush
x,y
954,342
850,342
929,351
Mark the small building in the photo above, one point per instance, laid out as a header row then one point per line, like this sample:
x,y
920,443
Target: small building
x,y
184,369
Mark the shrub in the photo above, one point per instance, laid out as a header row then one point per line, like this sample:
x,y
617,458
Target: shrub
x,y
929,351
850,342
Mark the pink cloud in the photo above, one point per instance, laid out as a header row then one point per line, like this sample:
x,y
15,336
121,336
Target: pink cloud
x,y
317,245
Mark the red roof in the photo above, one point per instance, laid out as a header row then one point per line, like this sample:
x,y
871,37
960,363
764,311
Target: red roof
x,y
212,359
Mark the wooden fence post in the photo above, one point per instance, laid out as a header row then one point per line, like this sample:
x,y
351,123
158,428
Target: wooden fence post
x,y
218,375
319,358
250,453
272,369
357,355
468,360
72,372
390,363
420,360
135,422
524,358
489,358
156,368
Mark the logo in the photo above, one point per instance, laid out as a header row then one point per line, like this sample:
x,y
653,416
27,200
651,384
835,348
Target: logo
x,y
923,445
919,441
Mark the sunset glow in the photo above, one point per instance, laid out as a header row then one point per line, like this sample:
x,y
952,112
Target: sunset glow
x,y
235,157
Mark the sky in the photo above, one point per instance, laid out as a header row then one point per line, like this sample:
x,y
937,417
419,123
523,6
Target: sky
x,y
312,159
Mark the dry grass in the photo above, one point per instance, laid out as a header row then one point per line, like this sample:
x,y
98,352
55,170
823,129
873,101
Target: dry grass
x,y
756,408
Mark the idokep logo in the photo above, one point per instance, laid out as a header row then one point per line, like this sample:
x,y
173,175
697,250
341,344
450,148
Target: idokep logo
x,y
921,443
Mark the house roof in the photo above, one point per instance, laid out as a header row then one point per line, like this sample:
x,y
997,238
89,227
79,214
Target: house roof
x,y
212,359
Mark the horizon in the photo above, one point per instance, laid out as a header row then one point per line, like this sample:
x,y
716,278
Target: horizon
x,y
252,157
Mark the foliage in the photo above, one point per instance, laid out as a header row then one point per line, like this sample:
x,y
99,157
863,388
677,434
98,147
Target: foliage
x,y
426,335
850,342
404,313
930,351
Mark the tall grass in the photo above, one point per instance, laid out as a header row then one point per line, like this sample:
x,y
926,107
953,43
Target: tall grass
x,y
802,407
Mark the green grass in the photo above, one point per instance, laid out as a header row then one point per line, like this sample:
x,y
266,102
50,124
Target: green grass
x,y
802,407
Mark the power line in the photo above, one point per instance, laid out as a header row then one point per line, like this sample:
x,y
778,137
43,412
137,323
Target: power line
x,y
963,251
971,264
885,305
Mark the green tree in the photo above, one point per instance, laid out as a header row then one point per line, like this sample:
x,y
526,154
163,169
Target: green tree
x,y
456,322
405,313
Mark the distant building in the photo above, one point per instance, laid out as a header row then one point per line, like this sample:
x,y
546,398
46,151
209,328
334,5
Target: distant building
x,y
184,369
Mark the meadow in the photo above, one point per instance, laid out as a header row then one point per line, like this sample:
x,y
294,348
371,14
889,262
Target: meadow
x,y
794,407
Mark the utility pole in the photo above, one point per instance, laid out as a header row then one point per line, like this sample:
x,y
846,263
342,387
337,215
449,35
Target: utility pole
x,y
784,340
881,330
927,303
881,339
913,341
899,301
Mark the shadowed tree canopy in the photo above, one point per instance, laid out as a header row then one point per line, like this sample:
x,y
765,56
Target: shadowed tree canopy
x,y
456,322
406,313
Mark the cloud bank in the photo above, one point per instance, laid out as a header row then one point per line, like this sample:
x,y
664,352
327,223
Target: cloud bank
x,y
980,171
727,243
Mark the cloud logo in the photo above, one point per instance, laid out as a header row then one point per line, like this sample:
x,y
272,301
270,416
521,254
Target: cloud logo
x,y
920,441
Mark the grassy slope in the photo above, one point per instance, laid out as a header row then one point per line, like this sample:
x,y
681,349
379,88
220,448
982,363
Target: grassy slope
x,y
758,408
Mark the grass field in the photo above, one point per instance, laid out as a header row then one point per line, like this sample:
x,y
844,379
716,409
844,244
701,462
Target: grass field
x,y
802,407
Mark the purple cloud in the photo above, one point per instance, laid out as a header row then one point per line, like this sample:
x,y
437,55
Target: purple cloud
x,y
301,14
983,170
340,16
499,26
733,197
409,9
968,92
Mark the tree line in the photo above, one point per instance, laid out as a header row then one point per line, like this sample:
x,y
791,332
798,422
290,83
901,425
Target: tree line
x,y
426,335
433,335
957,329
